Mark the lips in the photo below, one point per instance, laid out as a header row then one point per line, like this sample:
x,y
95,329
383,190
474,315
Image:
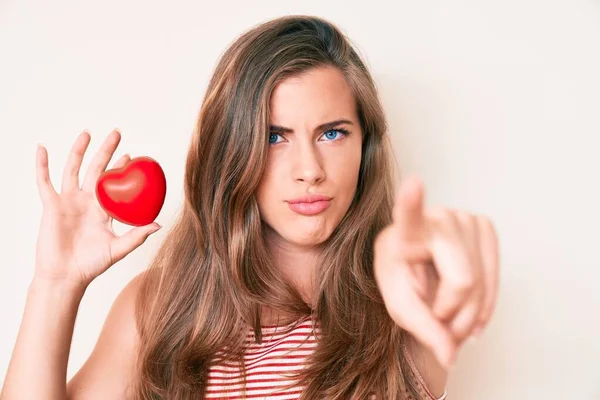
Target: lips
x,y
311,198
312,208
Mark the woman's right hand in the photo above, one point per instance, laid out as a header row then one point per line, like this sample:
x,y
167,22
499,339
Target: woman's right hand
x,y
76,242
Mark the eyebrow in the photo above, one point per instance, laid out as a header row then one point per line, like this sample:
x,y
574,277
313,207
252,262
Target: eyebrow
x,y
326,125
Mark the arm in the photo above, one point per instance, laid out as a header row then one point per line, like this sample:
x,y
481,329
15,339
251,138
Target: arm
x,y
42,348
76,244
460,251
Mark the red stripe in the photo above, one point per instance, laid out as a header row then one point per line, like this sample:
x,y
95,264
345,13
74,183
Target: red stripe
x,y
239,381
283,346
250,363
265,365
253,396
248,390
292,368
289,339
258,354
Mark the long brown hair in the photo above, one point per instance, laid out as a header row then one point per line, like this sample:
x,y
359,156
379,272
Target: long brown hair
x,y
213,275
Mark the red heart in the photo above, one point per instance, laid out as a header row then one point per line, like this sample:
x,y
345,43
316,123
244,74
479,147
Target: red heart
x,y
134,193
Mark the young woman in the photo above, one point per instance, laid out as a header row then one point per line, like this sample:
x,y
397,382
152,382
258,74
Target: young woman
x,y
295,270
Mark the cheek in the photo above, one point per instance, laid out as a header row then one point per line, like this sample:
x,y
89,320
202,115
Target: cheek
x,y
344,170
268,196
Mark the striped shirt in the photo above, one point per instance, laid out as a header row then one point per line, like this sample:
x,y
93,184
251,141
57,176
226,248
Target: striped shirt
x,y
267,364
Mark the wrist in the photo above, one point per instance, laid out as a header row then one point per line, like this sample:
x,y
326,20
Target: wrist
x,y
62,285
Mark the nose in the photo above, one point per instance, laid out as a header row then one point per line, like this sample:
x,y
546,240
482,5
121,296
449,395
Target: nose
x,y
307,164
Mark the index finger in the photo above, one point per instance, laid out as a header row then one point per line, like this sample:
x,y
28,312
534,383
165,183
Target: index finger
x,y
45,187
408,209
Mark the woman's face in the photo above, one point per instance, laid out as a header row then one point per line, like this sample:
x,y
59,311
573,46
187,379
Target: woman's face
x,y
305,159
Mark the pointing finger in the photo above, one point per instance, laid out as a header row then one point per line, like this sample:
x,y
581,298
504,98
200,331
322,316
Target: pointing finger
x,y
408,209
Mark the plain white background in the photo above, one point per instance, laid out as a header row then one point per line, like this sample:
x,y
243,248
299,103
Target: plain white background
x,y
494,104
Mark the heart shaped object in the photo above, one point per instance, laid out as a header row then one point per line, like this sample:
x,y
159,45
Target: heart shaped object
x,y
134,193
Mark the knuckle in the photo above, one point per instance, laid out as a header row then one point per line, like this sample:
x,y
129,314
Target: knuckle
x,y
70,170
441,219
438,213
483,318
462,215
480,322
487,224
462,285
51,203
487,311
466,219
460,328
464,322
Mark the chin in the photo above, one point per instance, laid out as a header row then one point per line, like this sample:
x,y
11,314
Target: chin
x,y
307,240
300,233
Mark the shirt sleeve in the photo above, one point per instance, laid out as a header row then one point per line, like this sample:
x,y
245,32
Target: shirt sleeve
x,y
418,378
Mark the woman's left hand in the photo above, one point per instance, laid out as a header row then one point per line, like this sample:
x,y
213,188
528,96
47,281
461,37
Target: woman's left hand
x,y
437,271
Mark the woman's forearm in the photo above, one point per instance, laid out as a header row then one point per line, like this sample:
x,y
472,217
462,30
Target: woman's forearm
x,y
38,365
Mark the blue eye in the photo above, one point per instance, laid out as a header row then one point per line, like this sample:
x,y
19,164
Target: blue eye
x,y
271,136
332,130
342,132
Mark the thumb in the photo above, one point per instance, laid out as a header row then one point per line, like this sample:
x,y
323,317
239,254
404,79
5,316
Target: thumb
x,y
126,243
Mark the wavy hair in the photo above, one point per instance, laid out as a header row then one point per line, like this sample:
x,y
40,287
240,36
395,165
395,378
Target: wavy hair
x,y
212,275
